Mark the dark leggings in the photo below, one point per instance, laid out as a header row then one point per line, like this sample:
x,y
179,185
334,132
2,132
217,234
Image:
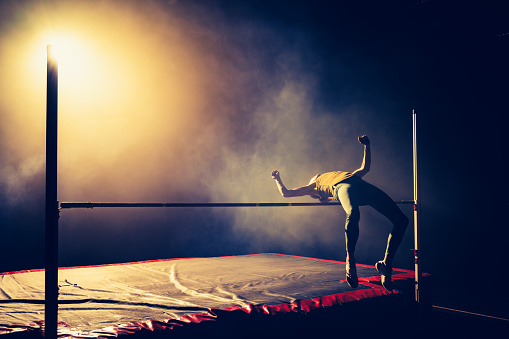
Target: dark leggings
x,y
354,192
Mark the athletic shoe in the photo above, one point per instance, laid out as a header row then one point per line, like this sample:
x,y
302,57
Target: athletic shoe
x,y
351,274
386,275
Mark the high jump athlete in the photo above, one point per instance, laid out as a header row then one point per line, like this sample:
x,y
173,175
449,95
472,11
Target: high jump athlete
x,y
352,191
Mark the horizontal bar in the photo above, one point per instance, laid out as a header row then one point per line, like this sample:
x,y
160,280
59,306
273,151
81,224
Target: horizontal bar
x,y
203,204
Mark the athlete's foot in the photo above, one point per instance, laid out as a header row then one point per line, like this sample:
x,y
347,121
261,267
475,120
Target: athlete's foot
x,y
351,274
386,275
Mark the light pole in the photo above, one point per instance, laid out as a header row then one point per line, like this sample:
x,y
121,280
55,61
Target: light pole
x,y
51,211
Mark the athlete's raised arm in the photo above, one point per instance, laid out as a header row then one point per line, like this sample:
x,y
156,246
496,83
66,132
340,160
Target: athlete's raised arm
x,y
366,161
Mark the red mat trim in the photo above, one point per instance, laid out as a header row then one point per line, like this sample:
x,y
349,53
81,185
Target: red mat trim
x,y
300,306
171,259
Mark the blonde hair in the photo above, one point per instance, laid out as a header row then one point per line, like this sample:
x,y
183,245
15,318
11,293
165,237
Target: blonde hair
x,y
313,179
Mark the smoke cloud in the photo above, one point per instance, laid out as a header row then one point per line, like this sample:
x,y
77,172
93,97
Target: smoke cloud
x,y
175,101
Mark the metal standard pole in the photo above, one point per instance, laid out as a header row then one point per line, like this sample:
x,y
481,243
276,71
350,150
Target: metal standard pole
x,y
51,213
417,208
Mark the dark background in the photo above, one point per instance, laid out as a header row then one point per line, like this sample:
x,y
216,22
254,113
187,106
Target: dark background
x,y
445,59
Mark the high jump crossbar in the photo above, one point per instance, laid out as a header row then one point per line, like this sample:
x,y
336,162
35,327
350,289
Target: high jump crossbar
x,y
68,205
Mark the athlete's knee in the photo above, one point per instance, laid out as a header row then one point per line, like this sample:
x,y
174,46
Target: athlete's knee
x,y
353,216
352,222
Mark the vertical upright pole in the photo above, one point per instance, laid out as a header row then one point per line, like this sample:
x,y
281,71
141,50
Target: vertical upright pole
x,y
51,212
417,207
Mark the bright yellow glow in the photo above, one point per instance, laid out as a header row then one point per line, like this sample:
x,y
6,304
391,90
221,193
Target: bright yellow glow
x,y
130,95
70,51
52,53
77,60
